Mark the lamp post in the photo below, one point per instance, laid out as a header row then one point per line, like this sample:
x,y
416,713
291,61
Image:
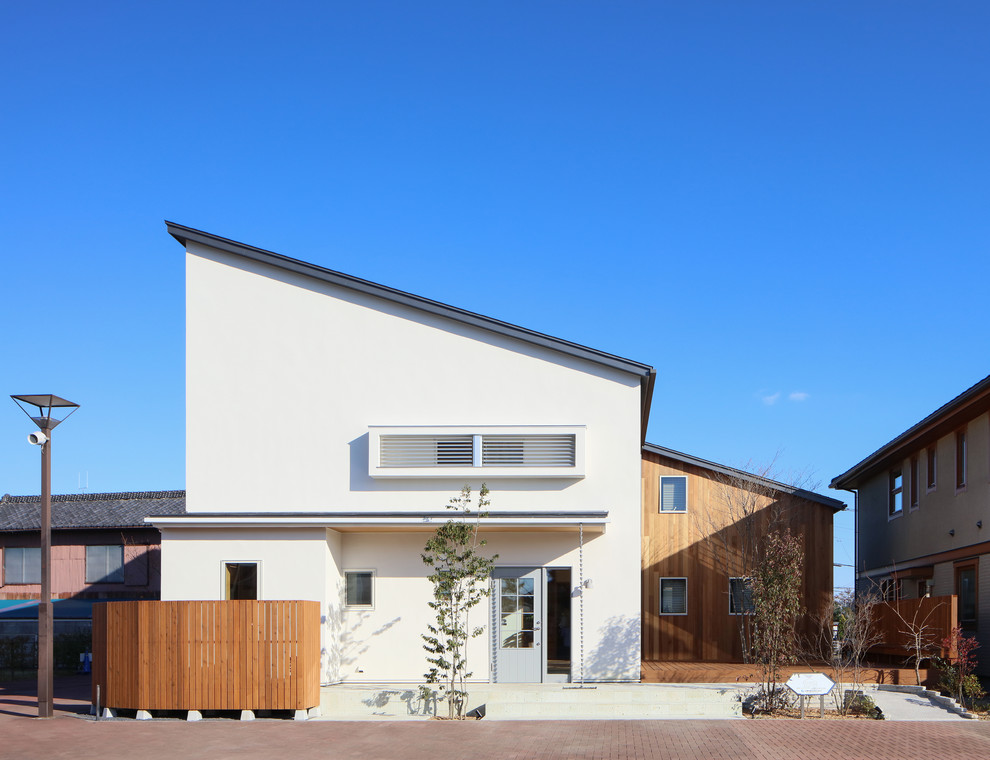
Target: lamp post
x,y
42,416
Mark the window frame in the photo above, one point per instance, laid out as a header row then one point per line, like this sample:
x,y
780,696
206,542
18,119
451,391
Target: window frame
x,y
107,577
962,457
957,569
477,468
22,550
931,468
680,511
660,596
895,493
225,591
746,580
360,571
914,484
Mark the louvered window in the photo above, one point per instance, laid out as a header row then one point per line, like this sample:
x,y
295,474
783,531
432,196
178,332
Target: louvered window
x,y
527,451
427,450
673,494
673,596
741,596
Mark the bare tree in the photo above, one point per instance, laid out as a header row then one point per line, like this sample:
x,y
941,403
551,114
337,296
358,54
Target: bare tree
x,y
923,638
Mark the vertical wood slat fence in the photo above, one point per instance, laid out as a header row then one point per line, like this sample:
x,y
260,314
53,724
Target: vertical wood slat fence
x,y
937,613
207,655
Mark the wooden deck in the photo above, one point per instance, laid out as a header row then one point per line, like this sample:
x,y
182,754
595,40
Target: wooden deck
x,y
731,672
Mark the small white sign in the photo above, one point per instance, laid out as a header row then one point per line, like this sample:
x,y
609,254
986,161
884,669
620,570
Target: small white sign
x,y
810,684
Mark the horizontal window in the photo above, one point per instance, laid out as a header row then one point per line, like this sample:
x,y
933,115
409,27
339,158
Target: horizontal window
x,y
104,564
527,450
462,451
427,451
673,596
21,565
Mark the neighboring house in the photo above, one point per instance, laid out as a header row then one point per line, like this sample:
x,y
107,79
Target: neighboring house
x,y
697,518
923,512
329,420
102,549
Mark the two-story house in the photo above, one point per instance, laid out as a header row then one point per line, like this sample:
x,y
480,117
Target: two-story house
x,y
703,533
923,512
331,419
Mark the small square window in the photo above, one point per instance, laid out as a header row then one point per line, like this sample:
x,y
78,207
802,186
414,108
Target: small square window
x,y
240,580
673,596
741,596
104,564
673,493
358,588
21,565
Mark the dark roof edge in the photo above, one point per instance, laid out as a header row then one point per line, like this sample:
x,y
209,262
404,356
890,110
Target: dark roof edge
x,y
185,234
444,514
835,504
122,496
971,394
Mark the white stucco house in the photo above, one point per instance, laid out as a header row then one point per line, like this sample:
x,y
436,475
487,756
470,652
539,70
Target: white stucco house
x,y
329,420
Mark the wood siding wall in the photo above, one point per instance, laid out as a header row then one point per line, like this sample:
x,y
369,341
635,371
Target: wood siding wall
x,y
207,655
684,546
894,621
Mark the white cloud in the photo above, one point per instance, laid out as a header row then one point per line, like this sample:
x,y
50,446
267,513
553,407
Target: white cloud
x,y
770,398
798,396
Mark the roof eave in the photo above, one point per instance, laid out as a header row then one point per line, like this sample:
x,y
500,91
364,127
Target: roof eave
x,y
834,504
948,417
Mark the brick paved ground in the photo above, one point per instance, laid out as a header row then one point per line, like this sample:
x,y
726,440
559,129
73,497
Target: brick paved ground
x,y
71,736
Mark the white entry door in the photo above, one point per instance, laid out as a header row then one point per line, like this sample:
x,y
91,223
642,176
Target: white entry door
x,y
518,625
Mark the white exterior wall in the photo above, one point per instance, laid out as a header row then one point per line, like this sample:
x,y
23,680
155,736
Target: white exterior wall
x,y
284,376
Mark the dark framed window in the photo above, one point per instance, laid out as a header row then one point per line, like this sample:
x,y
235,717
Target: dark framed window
x,y
359,588
931,476
21,564
104,564
673,493
240,580
915,483
896,504
673,596
741,596
966,591
961,459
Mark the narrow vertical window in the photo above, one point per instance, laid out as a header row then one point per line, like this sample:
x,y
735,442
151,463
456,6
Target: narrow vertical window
x,y
915,495
930,476
896,493
961,459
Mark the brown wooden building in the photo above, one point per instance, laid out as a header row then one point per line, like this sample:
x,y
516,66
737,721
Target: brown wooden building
x,y
701,524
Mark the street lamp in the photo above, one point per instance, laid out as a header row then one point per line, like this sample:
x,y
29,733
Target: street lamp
x,y
42,416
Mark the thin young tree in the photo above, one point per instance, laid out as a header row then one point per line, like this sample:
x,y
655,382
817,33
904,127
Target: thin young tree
x,y
460,574
921,636
745,505
776,607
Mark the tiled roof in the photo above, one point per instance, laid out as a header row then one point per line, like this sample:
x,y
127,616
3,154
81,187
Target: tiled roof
x,y
91,510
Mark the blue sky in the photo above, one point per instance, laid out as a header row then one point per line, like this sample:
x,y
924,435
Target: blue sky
x,y
781,206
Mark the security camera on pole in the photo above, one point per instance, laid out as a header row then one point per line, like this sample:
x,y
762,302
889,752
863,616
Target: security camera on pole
x,y
41,415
